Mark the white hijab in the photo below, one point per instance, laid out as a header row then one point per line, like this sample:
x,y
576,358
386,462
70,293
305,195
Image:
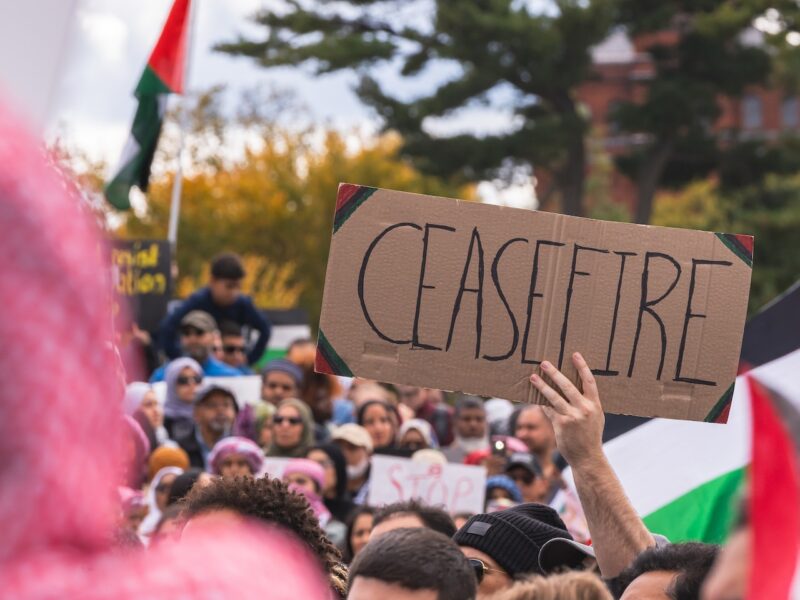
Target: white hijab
x,y
154,514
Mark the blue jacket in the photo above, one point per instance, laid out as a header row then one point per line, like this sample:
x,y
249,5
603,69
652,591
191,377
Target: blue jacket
x,y
243,312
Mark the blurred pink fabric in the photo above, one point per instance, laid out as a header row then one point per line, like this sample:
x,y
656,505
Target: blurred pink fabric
x,y
60,420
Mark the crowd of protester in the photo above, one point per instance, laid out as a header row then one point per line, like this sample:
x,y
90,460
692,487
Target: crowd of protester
x,y
203,452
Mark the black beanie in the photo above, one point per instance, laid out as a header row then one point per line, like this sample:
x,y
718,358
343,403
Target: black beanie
x,y
513,537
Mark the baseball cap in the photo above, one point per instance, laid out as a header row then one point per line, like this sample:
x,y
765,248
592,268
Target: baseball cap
x,y
354,434
207,389
563,553
199,319
527,461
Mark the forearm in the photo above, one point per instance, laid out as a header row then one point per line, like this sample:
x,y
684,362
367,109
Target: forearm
x,y
618,534
264,328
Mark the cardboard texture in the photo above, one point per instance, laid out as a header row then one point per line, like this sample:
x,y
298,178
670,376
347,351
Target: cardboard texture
x,y
459,488
470,297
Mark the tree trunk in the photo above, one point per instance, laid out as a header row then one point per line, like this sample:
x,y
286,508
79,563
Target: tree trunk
x,y
573,174
650,176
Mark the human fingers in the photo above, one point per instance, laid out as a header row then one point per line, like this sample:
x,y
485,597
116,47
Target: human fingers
x,y
572,394
587,378
555,399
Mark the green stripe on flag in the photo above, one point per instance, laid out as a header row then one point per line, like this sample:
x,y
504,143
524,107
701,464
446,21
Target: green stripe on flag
x,y
333,359
704,514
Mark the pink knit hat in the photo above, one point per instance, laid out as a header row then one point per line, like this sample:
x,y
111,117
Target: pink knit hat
x,y
236,445
307,467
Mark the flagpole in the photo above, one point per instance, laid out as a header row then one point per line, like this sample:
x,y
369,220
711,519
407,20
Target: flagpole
x,y
177,184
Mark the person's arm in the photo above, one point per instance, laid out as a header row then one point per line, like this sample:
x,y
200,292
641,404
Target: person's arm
x,y
255,319
618,533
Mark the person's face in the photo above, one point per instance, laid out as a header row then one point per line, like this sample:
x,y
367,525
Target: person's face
x,y
162,490
235,465
302,481
152,410
413,440
411,396
535,430
287,427
533,488
498,494
367,588
398,521
278,386
225,292
196,343
321,458
233,350
471,423
216,413
353,455
362,527
186,385
495,577
379,425
652,585
135,518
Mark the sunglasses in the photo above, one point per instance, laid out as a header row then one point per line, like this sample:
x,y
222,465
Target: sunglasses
x,y
278,420
525,478
233,349
480,569
183,380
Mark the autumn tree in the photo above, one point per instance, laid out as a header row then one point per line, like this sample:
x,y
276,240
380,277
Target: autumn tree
x,y
273,201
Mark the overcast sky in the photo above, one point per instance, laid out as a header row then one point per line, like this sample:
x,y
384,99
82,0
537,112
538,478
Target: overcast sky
x,y
112,40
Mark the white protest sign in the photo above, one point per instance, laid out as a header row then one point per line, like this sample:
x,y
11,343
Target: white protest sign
x,y
273,467
459,488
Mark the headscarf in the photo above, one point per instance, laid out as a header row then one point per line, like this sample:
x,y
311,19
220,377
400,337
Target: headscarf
x,y
154,514
167,456
135,470
173,407
306,438
134,394
236,445
317,473
340,505
284,366
59,503
423,427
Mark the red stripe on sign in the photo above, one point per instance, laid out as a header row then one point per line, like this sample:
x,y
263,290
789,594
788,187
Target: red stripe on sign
x,y
346,191
321,364
748,241
774,502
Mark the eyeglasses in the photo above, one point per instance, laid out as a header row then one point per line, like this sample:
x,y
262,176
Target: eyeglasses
x,y
188,331
183,380
481,569
233,349
278,420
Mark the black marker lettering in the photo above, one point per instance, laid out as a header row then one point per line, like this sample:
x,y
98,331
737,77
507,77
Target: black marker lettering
x,y
362,274
496,280
572,274
415,343
607,371
474,240
646,305
532,293
690,315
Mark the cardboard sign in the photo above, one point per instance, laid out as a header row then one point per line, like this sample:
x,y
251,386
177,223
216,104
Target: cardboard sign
x,y
459,488
141,275
471,297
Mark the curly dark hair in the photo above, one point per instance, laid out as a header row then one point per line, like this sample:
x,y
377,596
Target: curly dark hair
x,y
268,500
691,561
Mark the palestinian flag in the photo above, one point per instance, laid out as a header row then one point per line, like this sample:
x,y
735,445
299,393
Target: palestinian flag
x,y
683,477
163,75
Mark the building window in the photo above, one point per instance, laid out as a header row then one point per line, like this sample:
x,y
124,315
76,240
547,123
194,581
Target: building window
x,y
789,113
751,112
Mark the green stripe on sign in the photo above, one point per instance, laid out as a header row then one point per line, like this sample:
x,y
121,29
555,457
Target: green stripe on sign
x,y
334,360
736,247
705,514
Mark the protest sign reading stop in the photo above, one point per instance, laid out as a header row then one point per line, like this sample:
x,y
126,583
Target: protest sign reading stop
x,y
459,488
471,297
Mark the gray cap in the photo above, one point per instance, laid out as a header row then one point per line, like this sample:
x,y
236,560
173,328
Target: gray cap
x,y
209,388
199,319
